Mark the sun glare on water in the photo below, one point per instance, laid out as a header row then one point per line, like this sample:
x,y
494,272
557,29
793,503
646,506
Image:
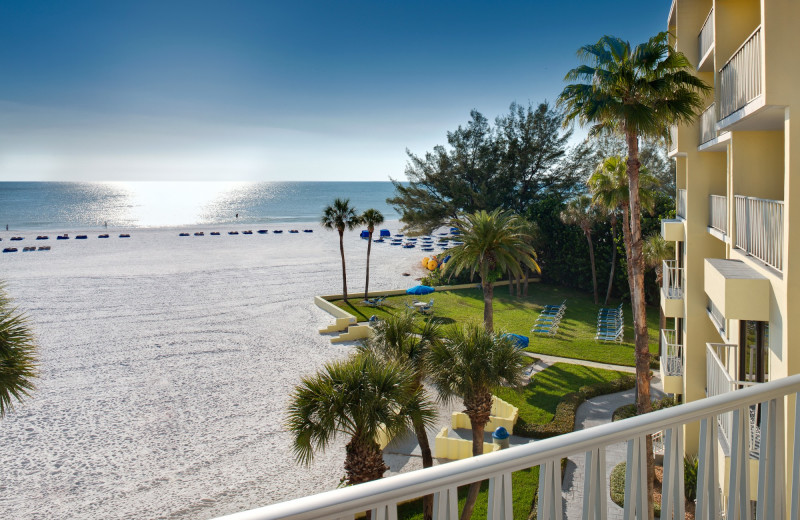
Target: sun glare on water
x,y
159,204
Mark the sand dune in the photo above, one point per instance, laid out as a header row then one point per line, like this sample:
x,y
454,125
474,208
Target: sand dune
x,y
166,365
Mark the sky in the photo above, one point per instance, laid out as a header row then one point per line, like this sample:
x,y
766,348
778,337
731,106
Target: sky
x,y
261,90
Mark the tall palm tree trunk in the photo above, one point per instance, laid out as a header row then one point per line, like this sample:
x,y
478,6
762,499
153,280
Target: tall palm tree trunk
x,y
427,462
369,250
643,404
479,409
588,234
613,257
488,309
626,237
344,270
510,282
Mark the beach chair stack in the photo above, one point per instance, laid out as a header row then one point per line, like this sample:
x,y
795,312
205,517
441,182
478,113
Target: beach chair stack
x,y
610,324
549,319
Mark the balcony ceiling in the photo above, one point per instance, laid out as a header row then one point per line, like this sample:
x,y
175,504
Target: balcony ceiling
x,y
769,117
737,290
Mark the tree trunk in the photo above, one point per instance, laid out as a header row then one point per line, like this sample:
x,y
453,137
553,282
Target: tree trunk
x,y
588,234
527,275
427,462
613,257
363,462
641,339
369,250
626,238
344,271
510,282
488,311
478,409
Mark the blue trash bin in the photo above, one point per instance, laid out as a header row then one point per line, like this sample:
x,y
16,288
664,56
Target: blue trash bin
x,y
500,437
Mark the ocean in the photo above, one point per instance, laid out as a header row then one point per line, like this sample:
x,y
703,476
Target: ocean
x,y
86,205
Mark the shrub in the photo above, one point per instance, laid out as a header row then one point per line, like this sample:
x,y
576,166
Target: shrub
x,y
690,477
617,488
629,410
564,419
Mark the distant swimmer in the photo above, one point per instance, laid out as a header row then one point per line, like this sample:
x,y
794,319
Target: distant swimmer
x,y
237,215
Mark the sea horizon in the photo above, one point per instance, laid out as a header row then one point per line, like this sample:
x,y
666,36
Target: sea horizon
x,y
55,205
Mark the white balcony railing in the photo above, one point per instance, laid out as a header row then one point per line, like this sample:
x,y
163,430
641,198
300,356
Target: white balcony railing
x,y
706,37
718,212
673,280
671,353
381,497
673,139
681,204
708,124
722,364
759,229
740,77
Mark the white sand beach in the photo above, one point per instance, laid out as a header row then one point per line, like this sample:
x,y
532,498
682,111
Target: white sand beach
x,y
166,365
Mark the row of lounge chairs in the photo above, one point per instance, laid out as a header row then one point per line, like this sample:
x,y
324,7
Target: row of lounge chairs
x,y
65,236
26,249
549,319
610,324
374,302
246,232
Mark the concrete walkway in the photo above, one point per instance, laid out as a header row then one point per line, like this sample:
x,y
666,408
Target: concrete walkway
x,y
550,360
595,412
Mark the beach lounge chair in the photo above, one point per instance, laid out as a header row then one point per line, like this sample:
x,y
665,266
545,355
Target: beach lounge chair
x,y
374,302
105,235
215,233
248,232
262,231
183,234
615,335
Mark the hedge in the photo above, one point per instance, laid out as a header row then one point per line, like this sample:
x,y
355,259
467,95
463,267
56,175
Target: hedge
x,y
564,419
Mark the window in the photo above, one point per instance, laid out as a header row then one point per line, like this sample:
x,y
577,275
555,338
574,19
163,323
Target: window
x,y
753,351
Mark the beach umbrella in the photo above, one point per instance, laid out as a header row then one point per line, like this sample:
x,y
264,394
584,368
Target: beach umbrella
x,y
419,290
385,233
520,340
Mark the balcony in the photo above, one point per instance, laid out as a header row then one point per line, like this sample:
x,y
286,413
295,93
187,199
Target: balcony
x,y
705,43
740,78
681,204
381,497
718,213
672,289
708,124
722,360
671,362
759,229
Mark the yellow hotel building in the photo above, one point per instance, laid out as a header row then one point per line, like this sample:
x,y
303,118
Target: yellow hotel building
x,y
734,286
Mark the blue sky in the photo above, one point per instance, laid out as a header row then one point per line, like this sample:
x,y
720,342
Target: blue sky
x,y
268,90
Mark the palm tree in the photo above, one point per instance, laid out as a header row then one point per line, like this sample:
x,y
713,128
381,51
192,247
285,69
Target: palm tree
x,y
356,398
496,241
18,362
609,187
471,362
655,250
580,212
404,340
338,216
634,92
372,218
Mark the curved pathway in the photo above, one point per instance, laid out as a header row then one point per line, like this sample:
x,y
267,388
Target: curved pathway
x,y
594,412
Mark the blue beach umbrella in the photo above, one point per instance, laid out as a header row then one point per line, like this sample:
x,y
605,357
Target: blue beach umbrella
x,y
385,233
419,290
518,339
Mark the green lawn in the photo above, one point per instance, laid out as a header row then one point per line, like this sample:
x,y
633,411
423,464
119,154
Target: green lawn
x,y
537,402
575,337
